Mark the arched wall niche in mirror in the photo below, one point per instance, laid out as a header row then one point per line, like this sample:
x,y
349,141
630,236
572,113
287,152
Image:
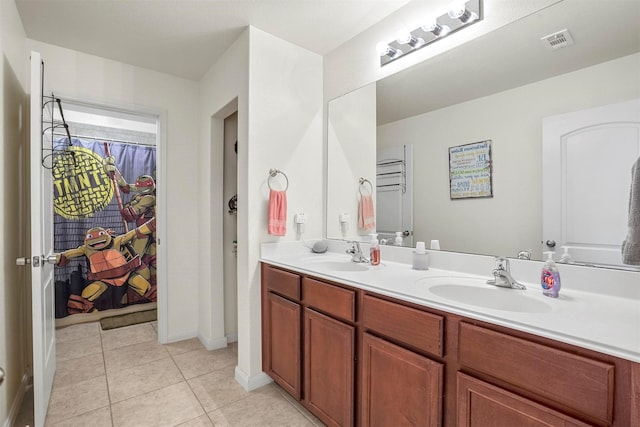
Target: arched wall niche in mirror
x,y
500,87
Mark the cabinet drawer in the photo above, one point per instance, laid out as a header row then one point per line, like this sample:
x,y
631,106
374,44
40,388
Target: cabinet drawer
x,y
330,299
282,282
482,404
576,382
414,327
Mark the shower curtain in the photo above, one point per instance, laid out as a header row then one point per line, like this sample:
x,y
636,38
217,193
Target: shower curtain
x,y
80,189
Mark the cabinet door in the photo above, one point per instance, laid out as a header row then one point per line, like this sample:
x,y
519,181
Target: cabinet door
x,y
282,342
329,368
399,387
482,404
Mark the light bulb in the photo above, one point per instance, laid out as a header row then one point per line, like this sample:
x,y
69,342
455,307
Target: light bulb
x,y
429,24
458,10
432,26
384,49
404,36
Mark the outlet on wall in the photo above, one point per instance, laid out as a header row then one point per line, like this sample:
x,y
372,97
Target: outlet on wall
x,y
301,218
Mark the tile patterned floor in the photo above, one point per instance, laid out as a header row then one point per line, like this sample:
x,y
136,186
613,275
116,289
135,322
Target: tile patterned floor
x,y
123,377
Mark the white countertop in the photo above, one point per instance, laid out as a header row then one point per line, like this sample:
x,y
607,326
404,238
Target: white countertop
x,y
585,314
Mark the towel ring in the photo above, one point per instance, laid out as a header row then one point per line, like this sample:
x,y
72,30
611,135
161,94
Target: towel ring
x,y
364,181
272,174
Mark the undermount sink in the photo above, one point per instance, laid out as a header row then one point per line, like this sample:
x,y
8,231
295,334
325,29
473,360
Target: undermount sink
x,y
476,292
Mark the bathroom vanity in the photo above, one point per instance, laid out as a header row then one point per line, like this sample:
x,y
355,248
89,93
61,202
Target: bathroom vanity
x,y
365,354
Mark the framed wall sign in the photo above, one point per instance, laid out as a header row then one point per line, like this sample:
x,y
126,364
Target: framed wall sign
x,y
470,170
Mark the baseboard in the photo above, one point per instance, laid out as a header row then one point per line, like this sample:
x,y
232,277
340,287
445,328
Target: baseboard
x,y
232,337
179,337
254,382
17,402
213,344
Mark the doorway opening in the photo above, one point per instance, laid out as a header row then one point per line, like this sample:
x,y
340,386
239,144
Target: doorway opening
x,y
230,227
104,213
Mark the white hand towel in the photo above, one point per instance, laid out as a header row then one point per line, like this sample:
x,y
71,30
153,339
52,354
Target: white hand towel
x,y
631,245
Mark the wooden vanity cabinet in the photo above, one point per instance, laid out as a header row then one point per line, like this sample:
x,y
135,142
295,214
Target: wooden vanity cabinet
x,y
329,351
571,382
308,342
281,332
426,367
400,386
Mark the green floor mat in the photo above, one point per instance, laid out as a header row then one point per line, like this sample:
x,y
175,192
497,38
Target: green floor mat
x,y
128,319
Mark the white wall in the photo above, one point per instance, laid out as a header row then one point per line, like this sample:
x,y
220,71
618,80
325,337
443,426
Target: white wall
x,y
513,121
223,90
77,75
276,88
15,321
285,133
351,155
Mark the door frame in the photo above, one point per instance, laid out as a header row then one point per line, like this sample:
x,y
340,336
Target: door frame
x,y
161,194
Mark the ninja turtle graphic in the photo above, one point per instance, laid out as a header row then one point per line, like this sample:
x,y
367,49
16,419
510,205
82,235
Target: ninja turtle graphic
x,y
139,209
112,262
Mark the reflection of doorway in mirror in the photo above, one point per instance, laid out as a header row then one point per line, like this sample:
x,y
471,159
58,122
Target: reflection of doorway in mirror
x,y
394,193
587,158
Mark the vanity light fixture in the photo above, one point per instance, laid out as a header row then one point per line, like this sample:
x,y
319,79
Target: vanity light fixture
x,y
461,14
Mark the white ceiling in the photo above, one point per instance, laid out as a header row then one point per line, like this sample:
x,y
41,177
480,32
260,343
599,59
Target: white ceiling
x,y
185,37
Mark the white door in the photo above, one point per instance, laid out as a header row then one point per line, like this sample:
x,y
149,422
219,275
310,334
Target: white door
x,y
42,279
587,160
394,193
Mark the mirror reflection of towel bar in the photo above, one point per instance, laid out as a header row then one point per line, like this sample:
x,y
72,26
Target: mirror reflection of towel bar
x,y
364,181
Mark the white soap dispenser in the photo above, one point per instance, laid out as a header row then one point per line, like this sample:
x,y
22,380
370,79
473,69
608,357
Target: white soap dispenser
x,y
398,240
565,258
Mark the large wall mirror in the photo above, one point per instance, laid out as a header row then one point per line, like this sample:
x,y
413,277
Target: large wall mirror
x,y
513,89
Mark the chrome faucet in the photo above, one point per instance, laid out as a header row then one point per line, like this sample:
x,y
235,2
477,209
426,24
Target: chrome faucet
x,y
356,252
502,275
524,254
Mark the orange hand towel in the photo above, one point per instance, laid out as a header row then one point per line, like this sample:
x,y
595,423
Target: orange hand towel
x,y
277,213
366,219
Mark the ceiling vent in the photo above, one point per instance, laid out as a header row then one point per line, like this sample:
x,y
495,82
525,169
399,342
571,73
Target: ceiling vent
x,y
558,40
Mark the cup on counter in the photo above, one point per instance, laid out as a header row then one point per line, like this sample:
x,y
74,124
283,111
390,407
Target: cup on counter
x,y
435,244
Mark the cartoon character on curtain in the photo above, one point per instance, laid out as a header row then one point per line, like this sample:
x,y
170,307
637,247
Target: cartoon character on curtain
x,y
139,209
88,197
112,262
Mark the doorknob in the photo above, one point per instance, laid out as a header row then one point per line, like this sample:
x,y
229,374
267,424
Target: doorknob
x,y
1,376
23,261
51,259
